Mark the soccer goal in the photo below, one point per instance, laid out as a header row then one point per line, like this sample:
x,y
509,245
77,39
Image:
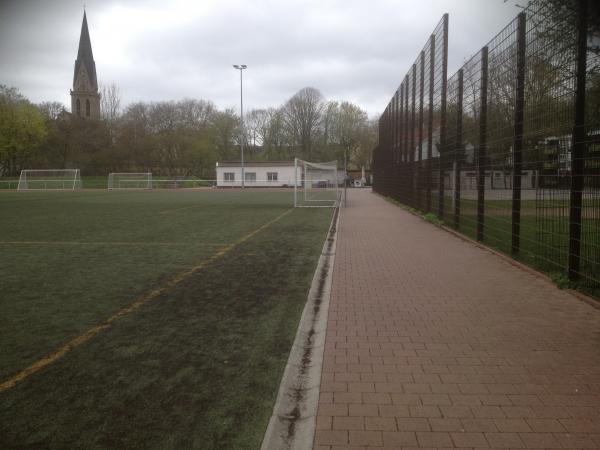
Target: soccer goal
x,y
317,184
56,179
130,180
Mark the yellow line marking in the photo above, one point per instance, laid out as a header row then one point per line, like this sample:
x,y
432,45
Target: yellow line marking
x,y
52,357
167,211
191,244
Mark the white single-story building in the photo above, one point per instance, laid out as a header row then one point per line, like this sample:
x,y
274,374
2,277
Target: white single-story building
x,y
275,174
258,174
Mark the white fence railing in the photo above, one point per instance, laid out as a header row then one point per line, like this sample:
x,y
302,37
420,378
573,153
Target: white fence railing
x,y
10,184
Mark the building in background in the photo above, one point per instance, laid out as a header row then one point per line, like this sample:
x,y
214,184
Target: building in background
x,y
85,98
277,174
257,174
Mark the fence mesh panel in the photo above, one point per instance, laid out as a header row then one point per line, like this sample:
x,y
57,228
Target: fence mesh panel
x,y
590,239
506,150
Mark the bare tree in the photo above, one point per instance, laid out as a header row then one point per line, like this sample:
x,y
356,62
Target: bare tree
x,y
257,128
196,114
110,102
362,153
303,115
51,110
110,105
330,117
276,142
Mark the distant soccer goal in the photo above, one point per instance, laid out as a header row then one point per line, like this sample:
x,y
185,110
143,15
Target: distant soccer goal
x,y
317,184
56,179
130,180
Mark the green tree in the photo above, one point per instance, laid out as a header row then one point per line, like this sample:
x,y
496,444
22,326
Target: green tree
x,y
225,126
22,130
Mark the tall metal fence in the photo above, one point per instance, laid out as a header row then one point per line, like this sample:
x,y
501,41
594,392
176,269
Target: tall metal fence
x,y
507,149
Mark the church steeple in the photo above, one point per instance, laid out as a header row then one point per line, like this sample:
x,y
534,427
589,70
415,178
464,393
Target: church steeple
x,y
85,99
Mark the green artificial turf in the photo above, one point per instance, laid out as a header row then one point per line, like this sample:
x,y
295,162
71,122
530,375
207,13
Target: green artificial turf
x,y
197,367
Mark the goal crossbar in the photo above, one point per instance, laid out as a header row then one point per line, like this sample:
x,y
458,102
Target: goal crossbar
x,y
49,179
129,180
316,184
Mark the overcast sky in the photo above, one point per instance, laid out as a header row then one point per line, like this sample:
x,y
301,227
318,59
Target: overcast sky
x,y
173,49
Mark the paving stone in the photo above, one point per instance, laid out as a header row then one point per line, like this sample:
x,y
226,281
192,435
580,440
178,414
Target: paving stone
x,y
464,439
366,438
435,342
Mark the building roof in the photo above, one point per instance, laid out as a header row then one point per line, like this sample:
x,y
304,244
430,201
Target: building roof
x,y
85,55
256,164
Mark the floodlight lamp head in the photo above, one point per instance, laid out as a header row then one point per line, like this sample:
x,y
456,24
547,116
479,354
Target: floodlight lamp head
x,y
240,67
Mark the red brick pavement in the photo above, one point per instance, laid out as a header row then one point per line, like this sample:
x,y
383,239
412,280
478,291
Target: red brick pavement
x,y
433,342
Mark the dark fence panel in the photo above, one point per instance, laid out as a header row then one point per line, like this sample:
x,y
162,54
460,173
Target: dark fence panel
x,y
589,270
501,140
549,111
468,156
507,150
418,128
453,148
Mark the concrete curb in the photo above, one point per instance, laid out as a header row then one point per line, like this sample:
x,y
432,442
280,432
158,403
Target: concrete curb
x,y
292,425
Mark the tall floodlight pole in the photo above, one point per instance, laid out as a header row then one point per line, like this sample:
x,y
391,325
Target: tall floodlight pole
x,y
241,68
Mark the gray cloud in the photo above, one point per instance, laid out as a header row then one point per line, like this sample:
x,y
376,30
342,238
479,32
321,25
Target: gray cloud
x,y
160,50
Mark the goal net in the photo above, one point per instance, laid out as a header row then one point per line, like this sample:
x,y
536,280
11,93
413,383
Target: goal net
x,y
61,179
317,184
130,180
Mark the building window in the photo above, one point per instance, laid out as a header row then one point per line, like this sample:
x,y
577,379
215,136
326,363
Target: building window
x,y
250,176
271,176
229,176
87,108
78,108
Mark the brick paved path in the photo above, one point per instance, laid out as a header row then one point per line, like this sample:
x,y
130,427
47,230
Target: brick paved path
x,y
434,342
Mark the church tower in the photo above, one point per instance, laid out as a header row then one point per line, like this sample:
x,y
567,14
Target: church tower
x,y
85,99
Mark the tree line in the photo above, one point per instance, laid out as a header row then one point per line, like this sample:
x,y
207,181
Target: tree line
x,y
178,138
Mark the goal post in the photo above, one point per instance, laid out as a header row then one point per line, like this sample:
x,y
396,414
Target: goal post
x,y
49,179
316,185
129,180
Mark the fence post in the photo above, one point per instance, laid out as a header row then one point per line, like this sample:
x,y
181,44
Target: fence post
x,y
397,122
397,153
390,128
412,136
400,139
381,156
390,177
578,146
377,167
386,149
430,120
518,136
405,142
394,127
421,99
399,180
481,150
442,148
458,150
402,122
406,117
